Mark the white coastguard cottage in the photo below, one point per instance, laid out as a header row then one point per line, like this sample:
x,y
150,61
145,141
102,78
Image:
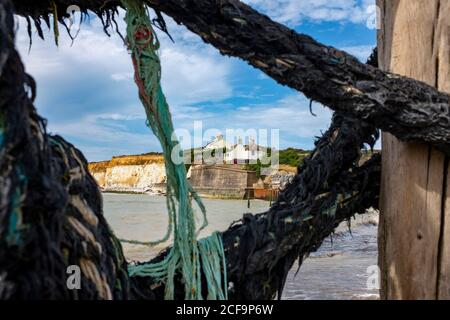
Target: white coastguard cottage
x,y
238,153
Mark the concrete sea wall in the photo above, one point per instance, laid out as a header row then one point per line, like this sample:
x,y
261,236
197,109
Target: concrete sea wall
x,y
221,182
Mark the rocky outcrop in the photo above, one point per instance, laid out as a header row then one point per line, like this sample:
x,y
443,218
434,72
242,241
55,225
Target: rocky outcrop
x,y
279,178
136,174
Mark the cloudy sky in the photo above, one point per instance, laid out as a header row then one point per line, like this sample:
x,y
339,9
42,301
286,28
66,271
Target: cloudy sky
x,y
86,91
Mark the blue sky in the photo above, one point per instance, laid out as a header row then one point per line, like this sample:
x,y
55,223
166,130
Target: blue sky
x,y
86,91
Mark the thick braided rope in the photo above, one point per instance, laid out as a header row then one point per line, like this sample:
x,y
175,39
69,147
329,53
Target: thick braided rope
x,y
188,257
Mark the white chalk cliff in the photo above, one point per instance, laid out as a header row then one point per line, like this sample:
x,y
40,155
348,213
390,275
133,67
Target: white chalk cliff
x,y
136,174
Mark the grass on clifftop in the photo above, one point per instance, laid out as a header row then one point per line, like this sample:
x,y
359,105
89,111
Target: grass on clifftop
x,y
290,157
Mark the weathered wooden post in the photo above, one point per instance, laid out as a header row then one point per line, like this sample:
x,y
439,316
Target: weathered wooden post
x,y
414,231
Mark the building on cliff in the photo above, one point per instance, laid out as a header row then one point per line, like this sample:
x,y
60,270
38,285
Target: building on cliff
x,y
226,179
222,151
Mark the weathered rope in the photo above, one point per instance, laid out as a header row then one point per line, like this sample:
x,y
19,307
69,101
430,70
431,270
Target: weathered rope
x,y
188,257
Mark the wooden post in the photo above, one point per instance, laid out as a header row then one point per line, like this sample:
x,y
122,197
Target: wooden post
x,y
414,231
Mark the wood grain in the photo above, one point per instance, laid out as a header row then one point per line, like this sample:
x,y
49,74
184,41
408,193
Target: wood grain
x,y
413,42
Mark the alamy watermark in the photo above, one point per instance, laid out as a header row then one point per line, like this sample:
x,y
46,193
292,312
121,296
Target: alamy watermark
x,y
373,277
73,11
374,17
74,277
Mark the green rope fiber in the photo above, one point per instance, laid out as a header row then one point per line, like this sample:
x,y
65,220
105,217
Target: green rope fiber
x,y
188,257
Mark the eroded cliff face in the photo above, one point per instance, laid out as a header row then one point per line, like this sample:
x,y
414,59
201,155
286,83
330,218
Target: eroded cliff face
x,y
146,174
138,174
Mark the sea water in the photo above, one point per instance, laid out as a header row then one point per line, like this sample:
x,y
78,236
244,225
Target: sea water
x,y
343,268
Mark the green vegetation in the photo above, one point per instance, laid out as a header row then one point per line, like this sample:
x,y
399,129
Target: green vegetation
x,y
256,167
292,157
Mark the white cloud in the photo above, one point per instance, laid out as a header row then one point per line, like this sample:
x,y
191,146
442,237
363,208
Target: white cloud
x,y
122,76
87,90
361,52
84,85
191,76
290,114
292,12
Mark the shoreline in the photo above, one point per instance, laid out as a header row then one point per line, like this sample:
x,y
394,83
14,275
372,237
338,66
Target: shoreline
x,y
132,192
337,270
163,194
